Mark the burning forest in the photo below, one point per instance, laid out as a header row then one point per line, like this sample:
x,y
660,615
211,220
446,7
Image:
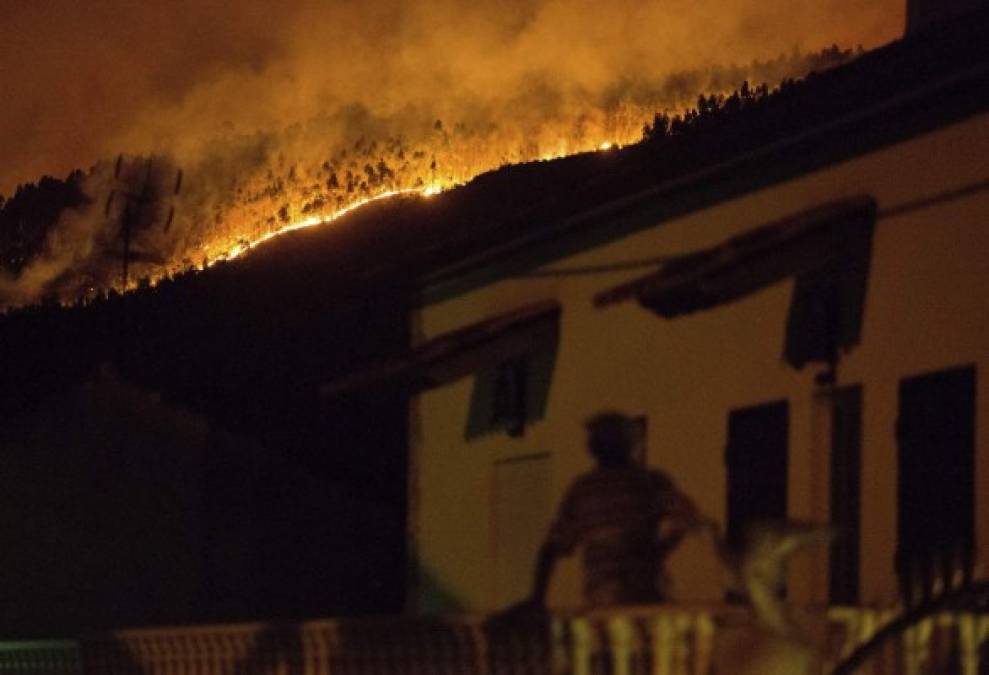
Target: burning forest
x,y
303,308
139,219
279,120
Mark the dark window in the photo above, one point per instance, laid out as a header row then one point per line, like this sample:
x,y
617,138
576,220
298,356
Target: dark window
x,y
756,459
508,406
846,463
512,394
935,492
829,299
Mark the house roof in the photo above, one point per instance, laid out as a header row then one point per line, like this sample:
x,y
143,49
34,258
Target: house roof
x,y
459,352
827,250
518,218
747,262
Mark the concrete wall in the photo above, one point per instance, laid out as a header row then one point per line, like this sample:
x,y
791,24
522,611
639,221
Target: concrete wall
x,y
926,309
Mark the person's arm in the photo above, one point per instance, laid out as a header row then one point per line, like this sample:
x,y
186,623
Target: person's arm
x,y
530,611
545,563
560,541
533,607
680,515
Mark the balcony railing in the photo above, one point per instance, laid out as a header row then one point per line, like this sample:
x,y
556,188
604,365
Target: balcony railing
x,y
630,641
37,657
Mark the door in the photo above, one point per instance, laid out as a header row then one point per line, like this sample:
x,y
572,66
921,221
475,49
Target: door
x,y
522,512
756,461
846,471
935,488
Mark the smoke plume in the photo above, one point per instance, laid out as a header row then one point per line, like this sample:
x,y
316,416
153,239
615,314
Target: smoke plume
x,y
277,111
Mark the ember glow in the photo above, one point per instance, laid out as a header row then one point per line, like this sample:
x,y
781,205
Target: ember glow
x,y
271,196
243,245
245,236
239,249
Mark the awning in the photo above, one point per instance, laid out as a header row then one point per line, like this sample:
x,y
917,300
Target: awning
x,y
453,355
827,249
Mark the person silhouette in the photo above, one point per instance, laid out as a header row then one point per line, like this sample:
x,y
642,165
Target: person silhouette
x,y
625,518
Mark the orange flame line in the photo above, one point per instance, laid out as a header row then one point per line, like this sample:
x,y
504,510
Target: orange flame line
x,y
240,249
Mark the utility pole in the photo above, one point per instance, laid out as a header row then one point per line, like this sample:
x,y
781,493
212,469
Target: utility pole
x,y
138,210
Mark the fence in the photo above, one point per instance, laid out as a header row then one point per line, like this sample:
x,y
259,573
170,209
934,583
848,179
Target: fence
x,y
41,657
631,641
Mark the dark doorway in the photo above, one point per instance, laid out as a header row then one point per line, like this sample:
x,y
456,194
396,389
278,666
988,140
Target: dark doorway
x,y
935,498
846,472
756,459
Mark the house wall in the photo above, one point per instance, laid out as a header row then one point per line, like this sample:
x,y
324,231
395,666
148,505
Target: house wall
x,y
926,310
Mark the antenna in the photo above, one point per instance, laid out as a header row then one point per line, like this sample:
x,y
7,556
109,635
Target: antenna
x,y
140,206
175,193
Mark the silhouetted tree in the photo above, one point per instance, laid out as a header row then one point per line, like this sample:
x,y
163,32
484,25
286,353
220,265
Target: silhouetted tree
x,y
27,217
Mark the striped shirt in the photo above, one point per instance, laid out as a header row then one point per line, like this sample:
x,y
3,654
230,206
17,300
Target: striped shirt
x,y
614,515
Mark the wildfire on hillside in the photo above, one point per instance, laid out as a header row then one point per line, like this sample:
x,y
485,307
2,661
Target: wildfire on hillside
x,y
301,179
319,195
245,189
243,246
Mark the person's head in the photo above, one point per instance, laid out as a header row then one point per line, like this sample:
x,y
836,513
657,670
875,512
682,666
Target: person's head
x,y
610,438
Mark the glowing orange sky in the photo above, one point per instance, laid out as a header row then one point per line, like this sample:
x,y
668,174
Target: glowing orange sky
x,y
82,81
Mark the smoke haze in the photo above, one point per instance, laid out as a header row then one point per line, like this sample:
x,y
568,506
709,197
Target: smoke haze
x,y
285,111
83,81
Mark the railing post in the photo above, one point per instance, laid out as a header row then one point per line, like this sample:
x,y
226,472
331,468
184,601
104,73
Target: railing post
x,y
560,663
703,643
620,636
583,645
981,637
916,646
662,639
969,646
